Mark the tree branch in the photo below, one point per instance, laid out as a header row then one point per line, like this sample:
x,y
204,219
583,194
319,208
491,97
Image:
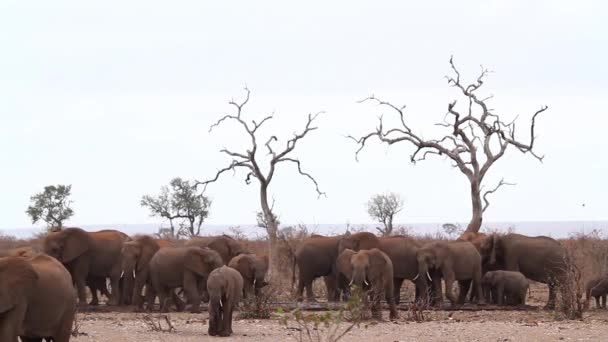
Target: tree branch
x,y
485,199
297,162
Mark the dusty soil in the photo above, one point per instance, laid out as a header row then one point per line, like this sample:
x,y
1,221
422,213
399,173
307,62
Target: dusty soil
x,y
536,325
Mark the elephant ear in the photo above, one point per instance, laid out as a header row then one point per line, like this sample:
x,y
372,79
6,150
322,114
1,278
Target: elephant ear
x,y
18,279
344,265
493,246
379,261
148,247
195,262
260,267
75,242
202,262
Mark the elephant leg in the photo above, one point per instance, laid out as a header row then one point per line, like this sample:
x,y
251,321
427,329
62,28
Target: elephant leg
x,y
115,283
376,311
449,277
300,290
463,290
604,301
10,323
138,286
179,303
309,294
93,289
397,282
163,297
79,276
551,302
500,293
191,287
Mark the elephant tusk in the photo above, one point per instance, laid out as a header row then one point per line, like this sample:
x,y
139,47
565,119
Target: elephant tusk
x,y
254,280
221,305
122,273
366,283
351,282
133,273
429,276
416,277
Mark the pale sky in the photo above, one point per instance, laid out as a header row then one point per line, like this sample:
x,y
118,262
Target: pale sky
x,y
116,98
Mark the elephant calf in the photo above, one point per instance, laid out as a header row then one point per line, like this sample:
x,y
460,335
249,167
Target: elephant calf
x,y
253,269
225,286
597,288
505,287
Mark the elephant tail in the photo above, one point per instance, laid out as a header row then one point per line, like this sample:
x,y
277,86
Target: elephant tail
x,y
293,271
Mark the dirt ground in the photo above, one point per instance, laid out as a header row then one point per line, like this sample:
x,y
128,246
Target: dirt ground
x,y
537,325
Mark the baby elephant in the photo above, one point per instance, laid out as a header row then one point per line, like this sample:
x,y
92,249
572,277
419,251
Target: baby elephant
x,y
225,286
597,288
505,287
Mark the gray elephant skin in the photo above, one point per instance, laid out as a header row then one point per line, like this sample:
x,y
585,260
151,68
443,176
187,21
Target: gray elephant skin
x,y
597,288
538,258
400,249
253,269
453,261
505,287
370,270
185,267
225,245
225,286
37,299
85,254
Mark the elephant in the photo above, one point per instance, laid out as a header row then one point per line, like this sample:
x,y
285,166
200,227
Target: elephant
x,y
596,288
453,261
185,267
400,249
505,287
225,286
87,254
253,269
136,256
37,299
370,269
226,246
538,258
316,257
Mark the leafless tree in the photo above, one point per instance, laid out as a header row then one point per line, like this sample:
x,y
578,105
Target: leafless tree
x,y
251,161
475,138
383,208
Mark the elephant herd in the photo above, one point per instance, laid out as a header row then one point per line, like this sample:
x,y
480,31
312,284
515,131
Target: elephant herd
x,y
497,267
40,291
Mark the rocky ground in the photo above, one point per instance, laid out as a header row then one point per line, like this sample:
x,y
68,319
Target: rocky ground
x,y
535,325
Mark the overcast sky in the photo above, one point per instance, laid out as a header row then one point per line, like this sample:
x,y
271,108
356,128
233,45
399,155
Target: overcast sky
x,y
116,98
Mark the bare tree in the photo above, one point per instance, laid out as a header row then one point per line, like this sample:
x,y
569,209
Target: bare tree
x,y
383,208
251,161
180,201
475,138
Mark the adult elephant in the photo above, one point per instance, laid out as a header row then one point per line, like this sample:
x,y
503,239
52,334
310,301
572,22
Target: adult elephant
x,y
87,254
136,256
400,249
539,258
453,261
253,269
226,246
185,267
316,257
37,299
370,269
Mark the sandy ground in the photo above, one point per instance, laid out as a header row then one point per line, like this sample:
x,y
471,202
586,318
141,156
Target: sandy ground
x,y
443,326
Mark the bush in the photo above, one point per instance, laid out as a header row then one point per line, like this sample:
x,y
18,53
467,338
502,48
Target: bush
x,y
328,326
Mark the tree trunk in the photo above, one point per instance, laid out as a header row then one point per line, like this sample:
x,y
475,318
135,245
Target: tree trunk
x,y
271,229
475,223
